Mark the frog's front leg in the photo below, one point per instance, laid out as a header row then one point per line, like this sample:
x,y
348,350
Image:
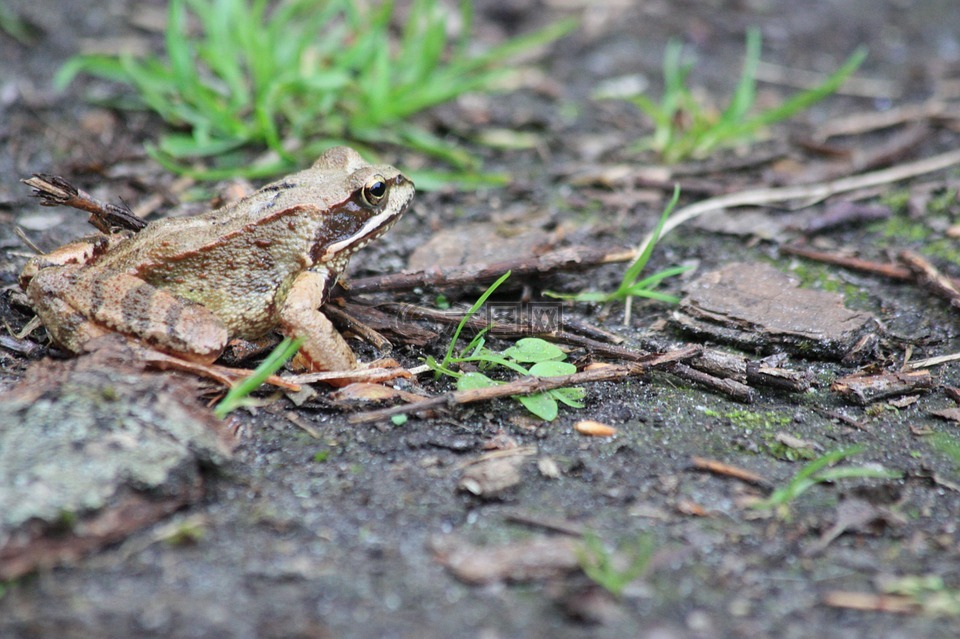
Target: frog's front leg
x,y
79,303
323,349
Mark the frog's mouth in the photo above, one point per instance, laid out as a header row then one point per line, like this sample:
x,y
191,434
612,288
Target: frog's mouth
x,y
403,190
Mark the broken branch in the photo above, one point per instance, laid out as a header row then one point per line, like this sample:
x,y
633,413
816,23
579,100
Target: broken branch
x,y
53,190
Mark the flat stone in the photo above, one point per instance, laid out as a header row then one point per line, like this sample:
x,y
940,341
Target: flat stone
x,y
761,309
93,449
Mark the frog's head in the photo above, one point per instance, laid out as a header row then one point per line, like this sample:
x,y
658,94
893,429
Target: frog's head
x,y
371,198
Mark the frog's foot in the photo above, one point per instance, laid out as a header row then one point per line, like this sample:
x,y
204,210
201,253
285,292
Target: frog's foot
x,y
239,350
129,349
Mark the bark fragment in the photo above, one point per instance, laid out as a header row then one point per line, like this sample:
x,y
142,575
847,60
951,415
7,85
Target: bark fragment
x,y
864,389
760,309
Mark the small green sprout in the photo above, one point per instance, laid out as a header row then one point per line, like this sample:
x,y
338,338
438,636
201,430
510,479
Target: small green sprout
x,y
928,592
399,420
685,128
817,472
187,532
237,396
630,284
601,566
448,356
546,360
15,26
299,76
947,445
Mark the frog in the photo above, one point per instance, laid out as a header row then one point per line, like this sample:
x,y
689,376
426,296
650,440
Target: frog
x,y
186,286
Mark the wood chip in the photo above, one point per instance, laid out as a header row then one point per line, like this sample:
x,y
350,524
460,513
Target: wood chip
x,y
869,601
720,468
594,428
864,389
530,560
687,507
492,477
548,468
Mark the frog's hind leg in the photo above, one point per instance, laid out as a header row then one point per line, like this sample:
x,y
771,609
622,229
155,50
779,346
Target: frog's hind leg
x,y
77,304
78,253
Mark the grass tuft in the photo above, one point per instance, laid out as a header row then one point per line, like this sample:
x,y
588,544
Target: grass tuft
x,y
685,127
630,284
299,76
820,471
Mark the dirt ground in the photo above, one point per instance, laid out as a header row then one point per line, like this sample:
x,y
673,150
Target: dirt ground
x,y
318,527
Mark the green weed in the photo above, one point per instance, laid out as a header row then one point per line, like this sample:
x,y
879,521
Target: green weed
x,y
928,592
947,445
817,472
238,395
299,76
630,284
686,128
15,26
545,360
602,567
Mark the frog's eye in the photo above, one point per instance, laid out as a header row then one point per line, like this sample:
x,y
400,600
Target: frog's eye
x,y
374,190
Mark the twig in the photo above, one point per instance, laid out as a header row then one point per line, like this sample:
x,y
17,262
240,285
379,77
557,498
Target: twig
x,y
729,387
354,325
868,601
547,523
522,386
843,419
931,278
720,468
53,190
866,389
891,271
933,361
525,386
565,259
811,193
860,123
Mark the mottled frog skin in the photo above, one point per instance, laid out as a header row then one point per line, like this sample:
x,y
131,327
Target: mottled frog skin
x,y
188,285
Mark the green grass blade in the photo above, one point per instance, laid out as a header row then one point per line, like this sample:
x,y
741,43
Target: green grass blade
x,y
102,66
746,92
236,396
804,479
659,276
518,45
633,272
806,99
466,318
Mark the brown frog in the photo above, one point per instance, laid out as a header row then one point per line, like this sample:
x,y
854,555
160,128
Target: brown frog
x,y
187,285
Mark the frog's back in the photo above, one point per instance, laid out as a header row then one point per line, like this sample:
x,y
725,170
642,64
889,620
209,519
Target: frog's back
x,y
239,268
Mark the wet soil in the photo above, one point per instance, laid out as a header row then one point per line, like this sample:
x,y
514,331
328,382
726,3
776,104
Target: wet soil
x,y
332,530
